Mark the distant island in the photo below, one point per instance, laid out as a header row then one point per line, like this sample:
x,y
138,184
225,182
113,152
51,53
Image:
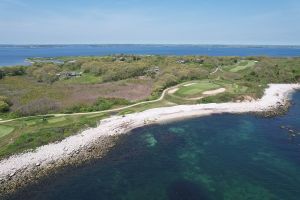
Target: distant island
x,y
55,98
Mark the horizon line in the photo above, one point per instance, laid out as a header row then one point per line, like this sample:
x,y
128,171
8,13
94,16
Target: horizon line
x,y
146,44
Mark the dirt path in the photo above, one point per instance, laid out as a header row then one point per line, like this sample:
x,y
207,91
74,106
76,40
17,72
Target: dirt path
x,y
170,90
216,70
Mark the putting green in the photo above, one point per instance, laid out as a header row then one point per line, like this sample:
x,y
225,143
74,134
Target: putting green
x,y
196,89
5,130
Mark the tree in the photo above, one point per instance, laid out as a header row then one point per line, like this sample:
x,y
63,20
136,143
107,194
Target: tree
x,y
46,73
95,67
2,74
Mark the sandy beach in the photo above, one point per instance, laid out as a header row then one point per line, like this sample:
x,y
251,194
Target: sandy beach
x,y
18,165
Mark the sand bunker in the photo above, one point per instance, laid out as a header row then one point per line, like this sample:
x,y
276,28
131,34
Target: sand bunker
x,y
214,92
186,85
172,91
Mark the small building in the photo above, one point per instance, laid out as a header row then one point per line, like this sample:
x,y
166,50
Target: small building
x,y
67,75
181,61
200,61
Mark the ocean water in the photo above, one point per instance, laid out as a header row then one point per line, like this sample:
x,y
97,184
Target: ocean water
x,y
16,55
218,157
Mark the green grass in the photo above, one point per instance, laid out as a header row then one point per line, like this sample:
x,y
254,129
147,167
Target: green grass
x,y
56,120
196,89
242,65
233,90
5,130
27,134
31,122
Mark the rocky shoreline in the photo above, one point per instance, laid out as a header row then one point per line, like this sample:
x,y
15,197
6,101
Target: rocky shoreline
x,y
33,174
20,170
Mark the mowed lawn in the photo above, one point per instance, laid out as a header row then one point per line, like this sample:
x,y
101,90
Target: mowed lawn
x,y
5,130
195,89
243,65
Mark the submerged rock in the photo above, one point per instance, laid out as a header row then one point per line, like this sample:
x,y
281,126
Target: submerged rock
x,y
150,140
177,130
291,131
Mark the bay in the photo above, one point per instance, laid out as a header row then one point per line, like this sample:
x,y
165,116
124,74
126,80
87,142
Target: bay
x,y
17,54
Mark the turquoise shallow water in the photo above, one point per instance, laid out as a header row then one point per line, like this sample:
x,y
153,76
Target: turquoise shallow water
x,y
230,157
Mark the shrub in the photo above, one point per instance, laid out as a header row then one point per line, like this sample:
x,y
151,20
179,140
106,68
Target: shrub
x,y
99,105
39,106
2,74
12,71
94,67
45,73
4,107
225,97
6,100
124,72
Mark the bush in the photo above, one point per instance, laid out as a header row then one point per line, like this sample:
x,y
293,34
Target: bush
x,y
124,72
94,67
5,104
6,100
2,74
38,107
4,107
99,105
45,73
12,71
225,97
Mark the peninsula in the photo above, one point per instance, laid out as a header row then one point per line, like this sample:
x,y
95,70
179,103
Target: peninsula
x,y
60,111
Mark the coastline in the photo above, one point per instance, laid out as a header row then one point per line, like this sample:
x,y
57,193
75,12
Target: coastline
x,y
15,170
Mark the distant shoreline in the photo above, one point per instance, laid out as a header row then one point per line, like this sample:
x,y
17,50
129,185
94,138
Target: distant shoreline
x,y
15,54
200,45
19,170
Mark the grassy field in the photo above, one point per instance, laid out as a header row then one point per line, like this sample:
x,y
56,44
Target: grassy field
x,y
30,97
5,130
195,89
242,66
33,132
191,92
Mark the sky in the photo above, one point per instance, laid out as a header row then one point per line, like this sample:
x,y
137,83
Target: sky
x,y
266,22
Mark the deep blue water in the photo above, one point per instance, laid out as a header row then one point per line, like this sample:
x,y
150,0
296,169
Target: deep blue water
x,y
15,55
219,157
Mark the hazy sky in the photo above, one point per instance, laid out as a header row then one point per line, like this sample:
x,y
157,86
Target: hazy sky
x,y
150,21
